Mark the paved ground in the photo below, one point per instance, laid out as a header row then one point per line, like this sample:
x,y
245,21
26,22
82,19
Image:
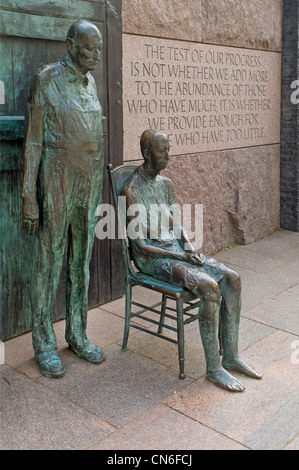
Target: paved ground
x,y
135,399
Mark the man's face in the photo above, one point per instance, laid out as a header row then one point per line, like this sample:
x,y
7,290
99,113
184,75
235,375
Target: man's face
x,y
87,51
160,153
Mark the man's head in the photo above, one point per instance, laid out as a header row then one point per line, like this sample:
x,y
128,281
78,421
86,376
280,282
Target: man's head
x,y
84,44
155,149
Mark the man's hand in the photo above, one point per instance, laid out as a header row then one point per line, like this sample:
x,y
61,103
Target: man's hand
x,y
30,215
195,258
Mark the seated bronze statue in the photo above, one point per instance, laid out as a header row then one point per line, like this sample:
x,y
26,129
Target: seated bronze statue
x,y
166,257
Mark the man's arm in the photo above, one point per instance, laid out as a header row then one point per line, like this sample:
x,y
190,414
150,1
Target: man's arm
x,y
32,157
192,256
154,251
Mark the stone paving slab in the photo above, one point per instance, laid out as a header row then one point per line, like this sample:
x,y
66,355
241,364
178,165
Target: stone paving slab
x,y
163,428
294,444
289,271
119,389
102,328
248,259
33,417
19,352
135,400
266,415
166,353
266,255
139,295
259,287
281,311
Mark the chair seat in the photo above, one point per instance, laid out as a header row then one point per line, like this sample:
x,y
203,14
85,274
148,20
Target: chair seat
x,y
163,287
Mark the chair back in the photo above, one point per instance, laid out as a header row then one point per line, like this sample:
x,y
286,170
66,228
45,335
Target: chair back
x,y
117,178
120,175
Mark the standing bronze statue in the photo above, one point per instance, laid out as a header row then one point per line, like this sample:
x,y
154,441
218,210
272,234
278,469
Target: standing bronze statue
x,y
167,258
63,175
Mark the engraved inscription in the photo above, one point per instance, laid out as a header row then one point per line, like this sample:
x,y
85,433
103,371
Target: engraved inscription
x,y
204,97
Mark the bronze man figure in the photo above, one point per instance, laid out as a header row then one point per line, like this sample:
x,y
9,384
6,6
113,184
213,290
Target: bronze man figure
x,y
63,174
167,258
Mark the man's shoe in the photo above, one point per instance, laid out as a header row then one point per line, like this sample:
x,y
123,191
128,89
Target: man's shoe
x,y
50,364
88,351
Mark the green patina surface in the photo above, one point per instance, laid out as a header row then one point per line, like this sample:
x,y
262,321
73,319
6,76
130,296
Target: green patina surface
x,y
33,34
12,127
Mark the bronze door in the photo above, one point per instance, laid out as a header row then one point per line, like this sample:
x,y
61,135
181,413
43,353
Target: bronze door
x,y
33,34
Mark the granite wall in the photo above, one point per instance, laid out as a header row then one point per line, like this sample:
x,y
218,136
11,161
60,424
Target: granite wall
x,y
290,118
237,183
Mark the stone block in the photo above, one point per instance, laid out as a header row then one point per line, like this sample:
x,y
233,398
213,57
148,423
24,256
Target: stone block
x,y
294,444
171,19
274,255
281,311
36,418
103,329
165,352
250,193
205,97
266,285
265,416
156,430
290,119
118,390
254,24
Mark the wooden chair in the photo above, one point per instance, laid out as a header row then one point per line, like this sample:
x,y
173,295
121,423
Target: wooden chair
x,y
185,301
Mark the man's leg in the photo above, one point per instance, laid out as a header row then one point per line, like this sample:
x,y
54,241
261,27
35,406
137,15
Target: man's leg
x,y
230,289
81,240
53,187
49,258
209,313
231,294
204,286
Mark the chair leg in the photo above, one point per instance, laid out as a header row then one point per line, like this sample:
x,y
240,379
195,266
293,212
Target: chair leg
x,y
162,317
220,334
127,316
180,323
